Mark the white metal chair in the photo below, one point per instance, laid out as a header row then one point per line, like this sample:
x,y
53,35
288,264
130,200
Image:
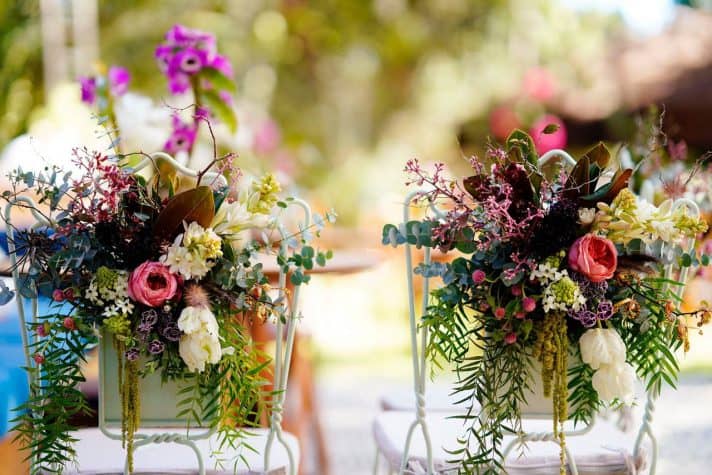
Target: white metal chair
x,y
414,441
99,449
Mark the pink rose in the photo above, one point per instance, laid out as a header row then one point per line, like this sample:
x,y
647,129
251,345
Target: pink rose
x,y
594,256
152,284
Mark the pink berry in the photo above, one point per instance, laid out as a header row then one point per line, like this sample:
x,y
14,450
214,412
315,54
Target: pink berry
x,y
520,315
69,294
69,324
510,338
479,276
39,358
58,295
528,304
42,330
516,291
499,313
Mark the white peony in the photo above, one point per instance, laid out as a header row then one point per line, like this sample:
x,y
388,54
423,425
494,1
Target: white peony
x,y
615,381
197,349
200,343
602,346
198,320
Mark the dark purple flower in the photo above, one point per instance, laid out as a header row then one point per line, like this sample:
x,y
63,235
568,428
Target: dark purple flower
x,y
171,332
585,316
132,354
182,137
88,85
119,79
156,347
605,310
144,328
149,317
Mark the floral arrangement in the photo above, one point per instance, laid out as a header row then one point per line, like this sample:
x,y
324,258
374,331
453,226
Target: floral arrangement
x,y
556,280
169,276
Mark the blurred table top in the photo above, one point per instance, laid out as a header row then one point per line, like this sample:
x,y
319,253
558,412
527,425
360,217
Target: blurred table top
x,y
345,261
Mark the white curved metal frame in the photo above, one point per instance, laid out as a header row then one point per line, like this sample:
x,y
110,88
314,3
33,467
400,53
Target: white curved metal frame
x,y
283,350
419,337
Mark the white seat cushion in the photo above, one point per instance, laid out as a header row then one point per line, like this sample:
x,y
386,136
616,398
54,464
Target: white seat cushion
x,y
438,398
100,455
604,450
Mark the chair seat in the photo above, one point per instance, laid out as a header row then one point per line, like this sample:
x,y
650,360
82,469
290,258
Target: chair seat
x,y
604,450
100,455
438,398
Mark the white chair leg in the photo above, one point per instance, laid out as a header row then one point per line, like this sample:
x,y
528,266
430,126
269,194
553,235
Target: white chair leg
x,y
376,461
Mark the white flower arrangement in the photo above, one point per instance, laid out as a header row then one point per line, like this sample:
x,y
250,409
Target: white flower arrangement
x,y
604,350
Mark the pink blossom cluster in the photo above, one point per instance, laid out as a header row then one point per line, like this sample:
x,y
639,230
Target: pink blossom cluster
x,y
185,53
97,194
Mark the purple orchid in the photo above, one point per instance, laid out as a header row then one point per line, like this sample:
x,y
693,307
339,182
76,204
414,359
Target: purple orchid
x,y
182,137
119,79
88,85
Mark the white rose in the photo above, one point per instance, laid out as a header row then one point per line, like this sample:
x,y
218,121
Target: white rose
x,y
602,346
197,349
198,320
615,381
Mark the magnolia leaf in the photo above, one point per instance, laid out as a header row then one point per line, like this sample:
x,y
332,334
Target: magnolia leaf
x,y
220,109
599,155
610,190
520,148
550,129
472,184
196,205
579,182
218,80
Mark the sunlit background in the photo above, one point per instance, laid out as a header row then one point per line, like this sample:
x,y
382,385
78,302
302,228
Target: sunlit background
x,y
336,95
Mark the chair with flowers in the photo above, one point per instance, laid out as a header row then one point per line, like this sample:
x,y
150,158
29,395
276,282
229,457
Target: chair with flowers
x,y
175,357
565,292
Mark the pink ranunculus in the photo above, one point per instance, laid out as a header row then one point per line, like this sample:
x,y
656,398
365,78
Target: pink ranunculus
x,y
593,256
152,284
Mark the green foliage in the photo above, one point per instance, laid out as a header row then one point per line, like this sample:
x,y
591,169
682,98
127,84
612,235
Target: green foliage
x,y
583,399
44,422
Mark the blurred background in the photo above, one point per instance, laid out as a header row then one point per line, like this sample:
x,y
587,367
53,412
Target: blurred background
x,y
337,94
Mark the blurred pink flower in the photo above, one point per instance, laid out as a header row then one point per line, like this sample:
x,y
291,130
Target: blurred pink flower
x,y
545,142
539,84
267,138
119,79
502,121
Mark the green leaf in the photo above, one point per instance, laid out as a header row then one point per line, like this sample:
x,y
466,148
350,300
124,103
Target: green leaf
x,y
220,109
550,129
219,80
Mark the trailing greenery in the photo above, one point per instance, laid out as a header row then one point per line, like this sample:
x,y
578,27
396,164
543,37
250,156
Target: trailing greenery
x,y
45,422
